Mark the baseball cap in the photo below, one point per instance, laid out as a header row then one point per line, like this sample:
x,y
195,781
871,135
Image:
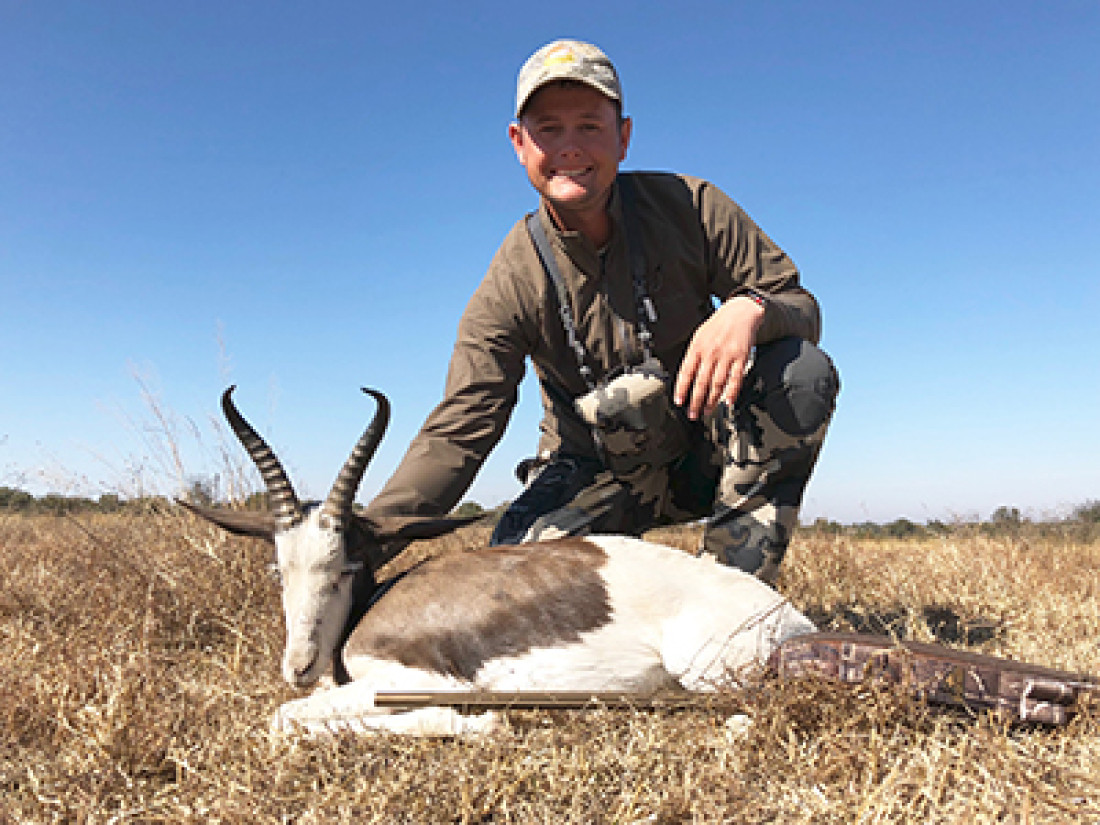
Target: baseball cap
x,y
567,60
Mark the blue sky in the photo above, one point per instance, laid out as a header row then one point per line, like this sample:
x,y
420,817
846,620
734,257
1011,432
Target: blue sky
x,y
299,198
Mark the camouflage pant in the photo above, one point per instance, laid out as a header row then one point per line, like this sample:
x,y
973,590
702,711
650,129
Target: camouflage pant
x,y
745,472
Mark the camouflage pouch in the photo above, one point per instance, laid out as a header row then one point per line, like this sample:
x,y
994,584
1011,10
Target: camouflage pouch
x,y
940,675
634,420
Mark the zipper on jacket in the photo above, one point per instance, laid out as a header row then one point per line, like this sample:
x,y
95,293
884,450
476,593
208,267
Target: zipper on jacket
x,y
628,346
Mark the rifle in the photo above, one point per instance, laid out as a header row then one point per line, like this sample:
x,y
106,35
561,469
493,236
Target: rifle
x,y
937,674
538,700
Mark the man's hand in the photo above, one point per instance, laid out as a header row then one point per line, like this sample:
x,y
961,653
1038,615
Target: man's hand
x,y
714,364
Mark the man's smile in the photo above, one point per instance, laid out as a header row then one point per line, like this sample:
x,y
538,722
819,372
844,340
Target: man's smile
x,y
572,173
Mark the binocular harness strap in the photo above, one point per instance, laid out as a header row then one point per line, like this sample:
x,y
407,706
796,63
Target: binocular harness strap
x,y
647,313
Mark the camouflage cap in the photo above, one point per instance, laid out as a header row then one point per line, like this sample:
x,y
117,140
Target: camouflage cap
x,y
567,60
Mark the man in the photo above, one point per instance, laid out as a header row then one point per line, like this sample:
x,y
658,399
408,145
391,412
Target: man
x,y
617,276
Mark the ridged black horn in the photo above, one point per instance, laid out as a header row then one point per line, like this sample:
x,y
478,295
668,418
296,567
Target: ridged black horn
x,y
284,503
338,504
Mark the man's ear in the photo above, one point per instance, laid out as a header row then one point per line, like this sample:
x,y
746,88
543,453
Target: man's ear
x,y
626,129
515,134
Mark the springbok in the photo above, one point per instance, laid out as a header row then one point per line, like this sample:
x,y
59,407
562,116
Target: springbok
x,y
602,613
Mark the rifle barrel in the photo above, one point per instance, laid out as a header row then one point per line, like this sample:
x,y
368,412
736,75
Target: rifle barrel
x,y
535,700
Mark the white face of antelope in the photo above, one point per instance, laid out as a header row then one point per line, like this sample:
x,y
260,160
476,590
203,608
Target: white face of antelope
x,y
317,584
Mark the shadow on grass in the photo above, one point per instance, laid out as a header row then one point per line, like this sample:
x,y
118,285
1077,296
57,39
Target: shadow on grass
x,y
945,624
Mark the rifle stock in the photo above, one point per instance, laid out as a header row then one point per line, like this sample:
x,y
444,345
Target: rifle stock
x,y
938,674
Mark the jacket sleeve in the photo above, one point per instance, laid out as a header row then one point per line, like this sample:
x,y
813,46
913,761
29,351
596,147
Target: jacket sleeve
x,y
486,368
742,258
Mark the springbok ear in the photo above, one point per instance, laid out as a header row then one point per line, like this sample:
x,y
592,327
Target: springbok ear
x,y
238,522
414,527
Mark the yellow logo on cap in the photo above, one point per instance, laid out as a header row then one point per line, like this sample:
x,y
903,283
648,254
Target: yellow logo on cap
x,y
558,56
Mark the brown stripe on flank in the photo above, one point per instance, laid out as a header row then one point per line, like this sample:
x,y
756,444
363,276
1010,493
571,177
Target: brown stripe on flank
x,y
454,613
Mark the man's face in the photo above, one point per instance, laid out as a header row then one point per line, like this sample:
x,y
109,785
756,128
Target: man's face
x,y
570,141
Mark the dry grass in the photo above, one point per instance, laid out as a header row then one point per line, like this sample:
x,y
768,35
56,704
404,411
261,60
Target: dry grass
x,y
139,667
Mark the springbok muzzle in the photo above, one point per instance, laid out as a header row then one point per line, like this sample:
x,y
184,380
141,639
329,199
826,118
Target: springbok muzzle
x,y
301,658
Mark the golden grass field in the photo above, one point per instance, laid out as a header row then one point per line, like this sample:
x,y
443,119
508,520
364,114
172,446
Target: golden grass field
x,y
139,668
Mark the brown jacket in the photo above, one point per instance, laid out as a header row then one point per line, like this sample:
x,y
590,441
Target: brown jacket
x,y
699,246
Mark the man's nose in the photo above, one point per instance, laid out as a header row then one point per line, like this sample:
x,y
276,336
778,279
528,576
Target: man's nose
x,y
570,148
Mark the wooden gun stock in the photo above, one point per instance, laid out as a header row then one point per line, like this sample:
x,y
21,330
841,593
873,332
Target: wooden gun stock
x,y
938,674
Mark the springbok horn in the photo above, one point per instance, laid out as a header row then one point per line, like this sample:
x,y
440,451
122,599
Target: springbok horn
x,y
284,502
338,504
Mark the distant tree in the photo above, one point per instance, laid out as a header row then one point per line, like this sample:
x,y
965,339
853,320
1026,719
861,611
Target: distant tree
x,y
1004,521
867,530
1087,513
469,509
58,505
939,528
902,528
109,503
827,527
16,500
1006,517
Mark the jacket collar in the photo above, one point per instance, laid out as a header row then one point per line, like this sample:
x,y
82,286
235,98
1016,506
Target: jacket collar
x,y
575,245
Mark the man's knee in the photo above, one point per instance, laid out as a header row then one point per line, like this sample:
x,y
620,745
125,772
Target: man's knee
x,y
549,488
796,383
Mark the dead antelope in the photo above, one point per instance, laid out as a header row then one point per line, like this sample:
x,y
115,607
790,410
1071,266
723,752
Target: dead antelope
x,y
603,613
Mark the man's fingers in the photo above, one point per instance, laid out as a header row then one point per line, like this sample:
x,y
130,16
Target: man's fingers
x,y
685,378
734,380
725,385
699,390
716,388
722,386
707,388
702,385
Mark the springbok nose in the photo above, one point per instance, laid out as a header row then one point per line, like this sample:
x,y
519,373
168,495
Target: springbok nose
x,y
299,659
296,669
